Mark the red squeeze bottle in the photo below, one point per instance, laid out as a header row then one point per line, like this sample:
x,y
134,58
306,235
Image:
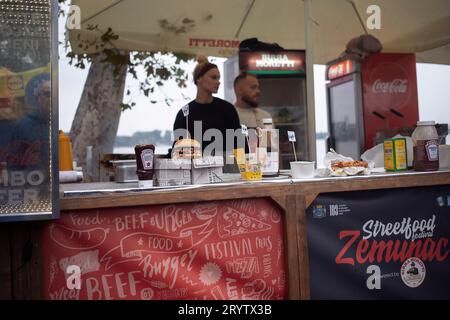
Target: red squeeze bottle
x,y
144,164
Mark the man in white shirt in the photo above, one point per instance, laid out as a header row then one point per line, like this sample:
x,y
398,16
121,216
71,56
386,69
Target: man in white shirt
x,y
246,88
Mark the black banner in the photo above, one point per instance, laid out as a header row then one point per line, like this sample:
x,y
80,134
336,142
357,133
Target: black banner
x,y
382,244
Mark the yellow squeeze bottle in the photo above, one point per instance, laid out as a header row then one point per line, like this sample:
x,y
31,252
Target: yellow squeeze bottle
x,y
65,152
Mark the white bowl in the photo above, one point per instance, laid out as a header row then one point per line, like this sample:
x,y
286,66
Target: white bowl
x,y
302,169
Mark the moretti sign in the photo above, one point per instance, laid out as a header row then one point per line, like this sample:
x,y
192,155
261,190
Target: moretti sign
x,y
273,62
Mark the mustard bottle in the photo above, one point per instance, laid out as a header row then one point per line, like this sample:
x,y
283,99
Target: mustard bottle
x,y
65,152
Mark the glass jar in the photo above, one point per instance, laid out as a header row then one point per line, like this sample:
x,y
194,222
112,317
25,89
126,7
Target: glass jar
x,y
269,141
426,147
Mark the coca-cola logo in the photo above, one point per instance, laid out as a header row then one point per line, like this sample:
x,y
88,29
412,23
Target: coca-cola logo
x,y
389,86
394,86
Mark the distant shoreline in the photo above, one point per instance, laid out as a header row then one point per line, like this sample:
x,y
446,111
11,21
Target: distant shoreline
x,y
159,149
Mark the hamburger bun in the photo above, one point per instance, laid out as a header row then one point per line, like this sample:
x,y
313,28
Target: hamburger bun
x,y
187,149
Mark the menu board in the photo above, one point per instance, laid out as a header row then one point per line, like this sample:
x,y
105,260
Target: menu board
x,y
28,109
212,250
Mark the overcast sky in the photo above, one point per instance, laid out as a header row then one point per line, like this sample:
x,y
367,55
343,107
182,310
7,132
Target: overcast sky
x,y
433,90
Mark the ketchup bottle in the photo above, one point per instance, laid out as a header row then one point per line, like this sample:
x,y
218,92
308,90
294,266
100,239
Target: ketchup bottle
x,y
144,164
425,147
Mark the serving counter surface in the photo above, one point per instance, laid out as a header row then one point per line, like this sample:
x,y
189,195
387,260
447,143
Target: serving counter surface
x,y
111,194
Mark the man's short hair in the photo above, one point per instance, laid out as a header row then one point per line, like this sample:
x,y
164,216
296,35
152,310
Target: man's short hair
x,y
242,76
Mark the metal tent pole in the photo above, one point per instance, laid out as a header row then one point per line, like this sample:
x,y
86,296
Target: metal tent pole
x,y
310,79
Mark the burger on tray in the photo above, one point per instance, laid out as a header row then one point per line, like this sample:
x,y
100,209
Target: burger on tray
x,y
187,149
187,166
338,165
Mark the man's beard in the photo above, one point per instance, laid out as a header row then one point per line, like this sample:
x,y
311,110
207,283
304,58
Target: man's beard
x,y
251,102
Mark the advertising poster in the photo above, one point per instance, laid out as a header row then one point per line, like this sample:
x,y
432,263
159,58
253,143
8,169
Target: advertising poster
x,y
382,244
27,110
224,250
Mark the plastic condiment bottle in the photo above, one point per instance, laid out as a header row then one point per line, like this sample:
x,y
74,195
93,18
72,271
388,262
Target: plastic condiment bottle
x,y
145,154
426,147
65,152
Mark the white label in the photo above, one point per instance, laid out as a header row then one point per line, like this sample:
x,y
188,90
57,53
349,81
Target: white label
x,y
147,159
244,129
291,135
432,150
185,110
271,164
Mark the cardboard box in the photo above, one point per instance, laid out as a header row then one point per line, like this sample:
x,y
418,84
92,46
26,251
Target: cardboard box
x,y
169,172
207,170
395,155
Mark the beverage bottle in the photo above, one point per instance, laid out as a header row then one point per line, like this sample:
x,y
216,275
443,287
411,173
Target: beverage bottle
x,y
269,141
425,146
145,154
65,152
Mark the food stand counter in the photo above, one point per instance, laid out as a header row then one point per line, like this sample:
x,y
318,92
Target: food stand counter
x,y
242,240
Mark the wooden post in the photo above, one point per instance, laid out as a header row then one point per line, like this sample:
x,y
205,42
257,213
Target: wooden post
x,y
302,238
291,249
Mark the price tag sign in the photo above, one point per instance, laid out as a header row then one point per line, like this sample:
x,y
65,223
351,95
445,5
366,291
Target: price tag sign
x,y
185,110
291,135
244,130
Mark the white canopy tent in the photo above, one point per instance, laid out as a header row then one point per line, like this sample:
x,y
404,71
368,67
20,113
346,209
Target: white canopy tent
x,y
215,28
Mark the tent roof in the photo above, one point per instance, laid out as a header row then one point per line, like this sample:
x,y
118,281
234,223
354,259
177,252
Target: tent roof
x,y
215,27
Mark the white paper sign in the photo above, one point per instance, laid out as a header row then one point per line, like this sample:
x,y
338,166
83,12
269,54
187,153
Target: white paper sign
x,y
244,129
185,110
291,135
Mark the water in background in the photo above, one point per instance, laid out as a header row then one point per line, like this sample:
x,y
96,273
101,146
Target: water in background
x,y
159,149
163,149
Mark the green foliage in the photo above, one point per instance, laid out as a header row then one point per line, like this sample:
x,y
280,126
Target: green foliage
x,y
159,67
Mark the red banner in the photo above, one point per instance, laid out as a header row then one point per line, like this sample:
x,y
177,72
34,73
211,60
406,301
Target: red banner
x,y
215,250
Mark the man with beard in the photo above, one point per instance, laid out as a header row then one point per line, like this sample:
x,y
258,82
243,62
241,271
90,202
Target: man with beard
x,y
246,88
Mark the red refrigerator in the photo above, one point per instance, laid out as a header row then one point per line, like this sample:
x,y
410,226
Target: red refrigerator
x,y
370,101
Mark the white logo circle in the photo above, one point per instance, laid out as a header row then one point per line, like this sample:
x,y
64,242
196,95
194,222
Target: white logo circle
x,y
147,294
413,272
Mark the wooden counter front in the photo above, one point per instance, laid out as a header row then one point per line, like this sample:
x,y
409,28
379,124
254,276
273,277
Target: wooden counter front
x,y
23,279
293,196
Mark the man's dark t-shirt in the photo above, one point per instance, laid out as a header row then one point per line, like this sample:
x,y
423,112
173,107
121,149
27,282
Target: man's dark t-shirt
x,y
219,114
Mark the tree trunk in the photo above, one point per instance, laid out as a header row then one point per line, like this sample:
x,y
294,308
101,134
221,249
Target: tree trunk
x,y
97,117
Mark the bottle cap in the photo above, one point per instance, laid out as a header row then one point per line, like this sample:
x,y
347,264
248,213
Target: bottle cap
x,y
426,123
